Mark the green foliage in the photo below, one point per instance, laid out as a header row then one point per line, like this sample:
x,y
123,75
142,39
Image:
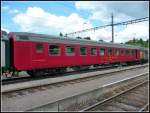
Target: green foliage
x,y
139,42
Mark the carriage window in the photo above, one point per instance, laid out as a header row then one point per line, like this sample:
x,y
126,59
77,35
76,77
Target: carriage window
x,y
122,52
127,52
93,51
109,51
102,51
70,50
39,48
83,51
117,52
54,50
133,52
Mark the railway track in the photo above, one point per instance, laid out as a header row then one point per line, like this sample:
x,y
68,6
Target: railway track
x,y
29,78
78,102
35,90
133,99
68,80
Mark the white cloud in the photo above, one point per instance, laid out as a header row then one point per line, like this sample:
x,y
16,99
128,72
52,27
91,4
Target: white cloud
x,y
123,11
88,5
35,19
138,30
101,34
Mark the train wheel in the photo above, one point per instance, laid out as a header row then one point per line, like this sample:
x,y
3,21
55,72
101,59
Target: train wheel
x,y
31,73
63,70
15,73
34,73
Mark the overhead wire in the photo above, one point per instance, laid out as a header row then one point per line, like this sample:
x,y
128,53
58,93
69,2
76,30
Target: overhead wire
x,y
116,24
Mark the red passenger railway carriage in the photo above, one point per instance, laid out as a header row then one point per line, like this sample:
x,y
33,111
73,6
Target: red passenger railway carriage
x,y
36,52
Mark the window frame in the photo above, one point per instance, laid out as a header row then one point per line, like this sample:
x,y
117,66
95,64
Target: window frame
x,y
80,51
91,51
117,52
127,52
109,48
122,52
54,54
42,48
70,54
100,51
133,52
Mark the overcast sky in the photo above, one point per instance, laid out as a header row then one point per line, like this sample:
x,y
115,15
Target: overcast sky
x,y
55,17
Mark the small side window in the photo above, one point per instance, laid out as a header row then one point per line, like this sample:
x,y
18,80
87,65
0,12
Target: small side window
x,y
133,52
109,51
70,50
54,50
117,52
127,52
83,51
122,52
93,51
102,51
39,48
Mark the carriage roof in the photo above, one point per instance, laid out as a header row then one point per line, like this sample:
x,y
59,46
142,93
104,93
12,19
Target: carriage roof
x,y
25,36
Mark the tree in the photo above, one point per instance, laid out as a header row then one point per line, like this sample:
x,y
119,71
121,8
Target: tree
x,y
141,41
134,40
137,42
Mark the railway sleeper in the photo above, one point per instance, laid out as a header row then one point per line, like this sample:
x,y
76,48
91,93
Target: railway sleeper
x,y
124,106
131,103
111,108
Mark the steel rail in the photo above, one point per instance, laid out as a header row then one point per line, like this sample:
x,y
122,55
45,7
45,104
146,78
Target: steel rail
x,y
117,95
76,95
5,88
29,78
